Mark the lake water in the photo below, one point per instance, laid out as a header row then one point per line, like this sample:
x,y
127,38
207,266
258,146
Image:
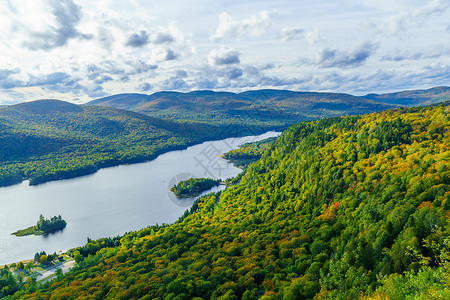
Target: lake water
x,y
111,202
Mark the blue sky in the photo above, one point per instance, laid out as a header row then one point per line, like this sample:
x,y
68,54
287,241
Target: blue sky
x,y
78,50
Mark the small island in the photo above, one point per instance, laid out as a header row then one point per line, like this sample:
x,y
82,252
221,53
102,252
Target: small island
x,y
43,226
193,187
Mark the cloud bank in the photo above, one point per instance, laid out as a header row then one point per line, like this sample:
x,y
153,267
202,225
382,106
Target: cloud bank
x,y
77,50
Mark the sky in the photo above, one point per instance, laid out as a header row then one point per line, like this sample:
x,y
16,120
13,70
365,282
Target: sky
x,y
79,50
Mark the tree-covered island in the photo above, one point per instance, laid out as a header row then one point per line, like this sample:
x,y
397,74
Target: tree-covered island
x,y
43,226
193,187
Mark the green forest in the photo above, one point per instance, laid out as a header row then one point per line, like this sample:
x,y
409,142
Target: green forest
x,y
193,187
51,140
47,140
248,152
340,208
51,225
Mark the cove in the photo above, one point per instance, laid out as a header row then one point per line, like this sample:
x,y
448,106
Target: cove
x,y
110,202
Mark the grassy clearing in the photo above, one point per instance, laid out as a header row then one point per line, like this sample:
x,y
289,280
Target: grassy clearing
x,y
28,231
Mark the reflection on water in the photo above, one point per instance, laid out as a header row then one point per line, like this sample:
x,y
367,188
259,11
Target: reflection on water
x,y
110,202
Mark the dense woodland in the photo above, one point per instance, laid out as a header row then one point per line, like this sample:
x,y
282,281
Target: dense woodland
x,y
248,153
340,208
51,140
193,187
51,225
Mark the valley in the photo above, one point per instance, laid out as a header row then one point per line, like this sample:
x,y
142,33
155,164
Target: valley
x,y
49,140
110,202
333,208
52,140
226,150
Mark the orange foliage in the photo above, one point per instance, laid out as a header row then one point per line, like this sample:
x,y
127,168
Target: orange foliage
x,y
425,204
330,212
76,283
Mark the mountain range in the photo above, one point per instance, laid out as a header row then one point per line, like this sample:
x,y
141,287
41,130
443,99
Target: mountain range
x,y
279,105
336,208
126,128
413,97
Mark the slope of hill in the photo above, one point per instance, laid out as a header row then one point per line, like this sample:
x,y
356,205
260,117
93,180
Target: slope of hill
x,y
61,131
50,139
338,208
414,97
123,101
277,107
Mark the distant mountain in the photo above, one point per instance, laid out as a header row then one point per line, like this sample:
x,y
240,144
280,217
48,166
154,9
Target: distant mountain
x,y
414,97
124,101
279,107
44,107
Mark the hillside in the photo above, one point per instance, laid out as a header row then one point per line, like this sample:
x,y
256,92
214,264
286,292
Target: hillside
x,y
339,208
275,107
124,101
50,139
414,97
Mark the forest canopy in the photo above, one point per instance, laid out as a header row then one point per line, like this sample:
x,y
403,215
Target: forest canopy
x,y
51,140
339,208
193,187
51,225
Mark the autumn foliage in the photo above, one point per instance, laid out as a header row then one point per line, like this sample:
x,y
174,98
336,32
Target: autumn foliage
x,y
339,208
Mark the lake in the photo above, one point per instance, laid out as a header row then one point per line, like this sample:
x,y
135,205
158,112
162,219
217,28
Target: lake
x,y
112,201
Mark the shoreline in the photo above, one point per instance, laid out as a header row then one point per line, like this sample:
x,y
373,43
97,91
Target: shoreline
x,y
116,163
222,183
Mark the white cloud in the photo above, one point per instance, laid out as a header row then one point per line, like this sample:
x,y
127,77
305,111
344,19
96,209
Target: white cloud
x,y
105,38
223,56
7,80
138,39
436,52
161,54
381,81
354,57
312,36
64,19
170,55
409,18
289,33
160,36
76,49
230,28
145,87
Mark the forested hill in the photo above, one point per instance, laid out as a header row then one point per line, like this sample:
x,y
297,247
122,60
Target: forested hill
x,y
277,106
50,139
339,208
413,97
